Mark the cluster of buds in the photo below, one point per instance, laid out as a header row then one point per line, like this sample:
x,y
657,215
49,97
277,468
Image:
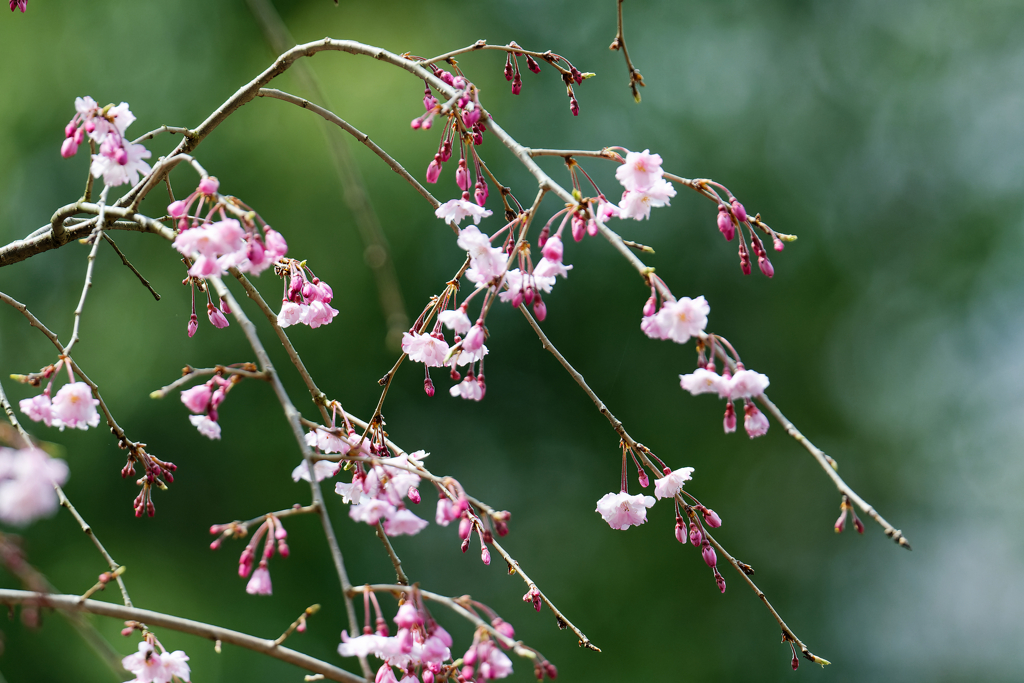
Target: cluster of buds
x,y
119,161
204,399
306,298
845,508
698,537
732,215
73,406
512,68
259,582
156,471
745,385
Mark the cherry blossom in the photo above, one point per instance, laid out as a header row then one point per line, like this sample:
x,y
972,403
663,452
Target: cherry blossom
x,y
324,469
470,388
754,421
404,522
669,485
678,320
150,667
456,320
744,384
292,314
74,407
38,408
371,511
206,426
622,510
197,399
425,348
487,262
27,478
350,493
637,204
118,166
327,442
641,170
702,381
454,210
259,582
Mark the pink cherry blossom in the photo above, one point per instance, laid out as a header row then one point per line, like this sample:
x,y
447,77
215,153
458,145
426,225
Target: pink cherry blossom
x,y
754,421
404,522
637,204
474,340
641,170
488,262
324,469
622,510
702,381
120,169
292,314
425,348
364,645
682,319
469,388
320,314
456,320
74,407
19,4
350,493
38,408
669,485
197,399
454,210
27,477
547,270
259,583
326,442
371,511
149,667
206,426
744,384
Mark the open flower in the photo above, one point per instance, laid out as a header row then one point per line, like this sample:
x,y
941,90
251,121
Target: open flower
x,y
27,477
641,170
74,406
454,210
622,510
669,485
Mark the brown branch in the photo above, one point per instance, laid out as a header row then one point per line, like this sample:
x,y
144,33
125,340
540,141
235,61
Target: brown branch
x,y
173,130
125,261
635,79
71,603
549,57
191,373
392,555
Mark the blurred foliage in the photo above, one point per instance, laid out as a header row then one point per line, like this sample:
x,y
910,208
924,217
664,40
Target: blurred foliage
x,y
888,136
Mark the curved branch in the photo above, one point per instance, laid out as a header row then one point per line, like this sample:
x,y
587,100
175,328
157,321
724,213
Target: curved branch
x,y
71,603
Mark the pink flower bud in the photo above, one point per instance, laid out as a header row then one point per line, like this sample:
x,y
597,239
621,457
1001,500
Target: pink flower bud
x,y
517,84
485,556
434,169
533,66
574,106
429,102
79,136
462,175
481,191
592,228
69,130
90,126
528,295
739,211
193,325
729,422
550,669
777,243
445,152
754,421
408,616
517,300
177,209
474,338
540,309
215,545
471,116
696,537
414,494
503,627
711,518
721,583
644,481
553,249
465,529
458,82
840,524
744,259
283,548
121,156
216,317
765,265
428,387
795,663
415,123
725,225
710,558
680,531
576,75
649,309
209,185
501,528
857,524
469,659
428,676
68,148
127,630
579,229
508,68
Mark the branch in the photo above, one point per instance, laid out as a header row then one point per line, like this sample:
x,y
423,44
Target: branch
x,y
635,78
71,603
125,261
189,373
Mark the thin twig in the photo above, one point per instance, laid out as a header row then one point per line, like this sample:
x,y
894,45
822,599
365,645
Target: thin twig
x,y
97,234
125,261
392,555
635,79
71,603
549,57
173,130
191,373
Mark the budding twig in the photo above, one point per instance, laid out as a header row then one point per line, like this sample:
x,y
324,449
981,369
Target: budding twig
x,y
189,373
635,79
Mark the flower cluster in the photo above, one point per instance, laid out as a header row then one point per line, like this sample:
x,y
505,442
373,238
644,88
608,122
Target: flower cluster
x,y
27,477
150,667
119,161
73,406
259,583
19,4
745,385
307,299
203,400
645,188
421,644
378,491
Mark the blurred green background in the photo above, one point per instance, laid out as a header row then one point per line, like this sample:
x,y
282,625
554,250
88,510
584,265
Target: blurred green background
x,y
888,136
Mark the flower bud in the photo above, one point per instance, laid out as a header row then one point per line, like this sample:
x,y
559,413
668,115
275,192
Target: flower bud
x,y
739,211
481,190
501,528
216,317
642,476
193,325
553,249
414,494
795,663
550,669
777,243
754,421
485,555
209,185
696,537
458,82
840,524
710,558
576,75
766,266
434,169
462,175
68,148
465,528
578,229
540,309
121,156
857,524
711,518
528,295
532,64
680,530
725,225
503,627
744,259
517,84
649,309
729,422
428,387
721,584
474,338
69,130
446,150
177,209
574,106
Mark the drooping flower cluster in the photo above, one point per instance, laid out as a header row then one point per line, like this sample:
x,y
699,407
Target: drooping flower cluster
x,y
216,246
27,477
745,385
645,188
307,299
73,406
203,400
259,582
151,667
378,491
119,161
19,4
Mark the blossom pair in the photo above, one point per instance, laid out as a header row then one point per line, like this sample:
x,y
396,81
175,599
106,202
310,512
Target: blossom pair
x,y
118,161
73,406
622,510
745,385
645,188
203,399
307,299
